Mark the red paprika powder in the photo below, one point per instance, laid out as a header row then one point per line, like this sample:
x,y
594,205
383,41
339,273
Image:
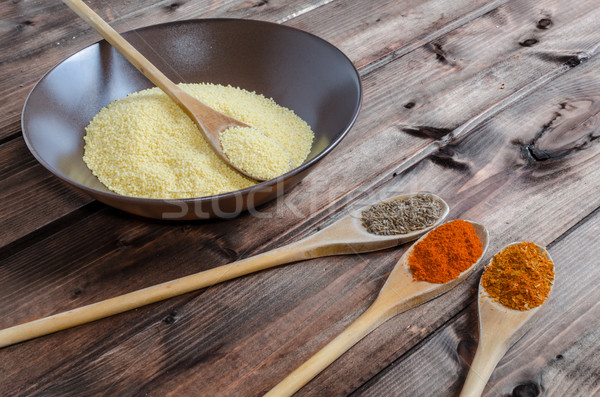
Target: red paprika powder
x,y
445,252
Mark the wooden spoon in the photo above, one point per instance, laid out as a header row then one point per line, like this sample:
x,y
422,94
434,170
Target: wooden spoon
x,y
499,328
346,236
399,293
210,122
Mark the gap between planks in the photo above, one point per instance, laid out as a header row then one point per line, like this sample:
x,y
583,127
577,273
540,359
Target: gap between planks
x,y
428,38
304,10
77,215
573,228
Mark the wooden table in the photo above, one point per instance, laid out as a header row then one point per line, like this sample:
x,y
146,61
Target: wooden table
x,y
493,105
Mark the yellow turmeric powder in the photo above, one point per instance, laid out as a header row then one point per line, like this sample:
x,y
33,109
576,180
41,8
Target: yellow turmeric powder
x,y
519,277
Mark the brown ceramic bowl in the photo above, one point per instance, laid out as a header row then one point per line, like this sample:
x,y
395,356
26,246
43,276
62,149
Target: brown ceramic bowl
x,y
298,70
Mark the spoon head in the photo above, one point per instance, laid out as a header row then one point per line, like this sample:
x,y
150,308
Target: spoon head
x,y
211,124
402,292
254,153
387,229
349,236
402,238
501,323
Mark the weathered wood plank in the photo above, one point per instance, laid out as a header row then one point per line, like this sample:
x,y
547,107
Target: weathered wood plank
x,y
372,111
497,183
31,199
376,110
389,29
256,329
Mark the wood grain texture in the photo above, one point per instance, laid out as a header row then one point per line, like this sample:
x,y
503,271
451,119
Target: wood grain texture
x,y
390,29
48,199
498,114
485,179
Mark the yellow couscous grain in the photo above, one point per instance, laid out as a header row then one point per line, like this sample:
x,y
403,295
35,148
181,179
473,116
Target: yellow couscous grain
x,y
259,155
145,146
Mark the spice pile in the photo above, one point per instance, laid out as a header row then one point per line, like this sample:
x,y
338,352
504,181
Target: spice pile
x,y
519,277
402,216
444,253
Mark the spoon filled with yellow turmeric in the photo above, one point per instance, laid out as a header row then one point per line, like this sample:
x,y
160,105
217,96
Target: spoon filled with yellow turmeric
x,y
512,290
376,227
440,260
246,149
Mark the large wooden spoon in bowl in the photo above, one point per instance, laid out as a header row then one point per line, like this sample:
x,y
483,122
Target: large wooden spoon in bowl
x,y
499,328
399,293
210,122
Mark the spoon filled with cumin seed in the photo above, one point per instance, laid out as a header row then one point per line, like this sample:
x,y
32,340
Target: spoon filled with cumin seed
x,y
364,230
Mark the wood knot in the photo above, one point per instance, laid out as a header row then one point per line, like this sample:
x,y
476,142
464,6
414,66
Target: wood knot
x,y
439,52
423,131
76,293
170,319
528,43
231,253
567,131
127,239
409,105
573,61
526,390
544,23
21,26
446,158
172,7
123,242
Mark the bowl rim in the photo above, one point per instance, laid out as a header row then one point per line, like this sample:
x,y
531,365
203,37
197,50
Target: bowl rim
x,y
188,200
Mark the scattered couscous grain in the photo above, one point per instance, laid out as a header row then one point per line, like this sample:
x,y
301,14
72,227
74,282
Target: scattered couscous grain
x,y
145,146
257,154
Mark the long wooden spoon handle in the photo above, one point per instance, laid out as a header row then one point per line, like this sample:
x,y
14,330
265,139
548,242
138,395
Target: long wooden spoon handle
x,y
211,120
190,105
122,45
366,323
483,365
301,250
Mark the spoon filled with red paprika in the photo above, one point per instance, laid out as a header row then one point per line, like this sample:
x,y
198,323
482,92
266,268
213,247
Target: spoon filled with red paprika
x,y
437,262
512,290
